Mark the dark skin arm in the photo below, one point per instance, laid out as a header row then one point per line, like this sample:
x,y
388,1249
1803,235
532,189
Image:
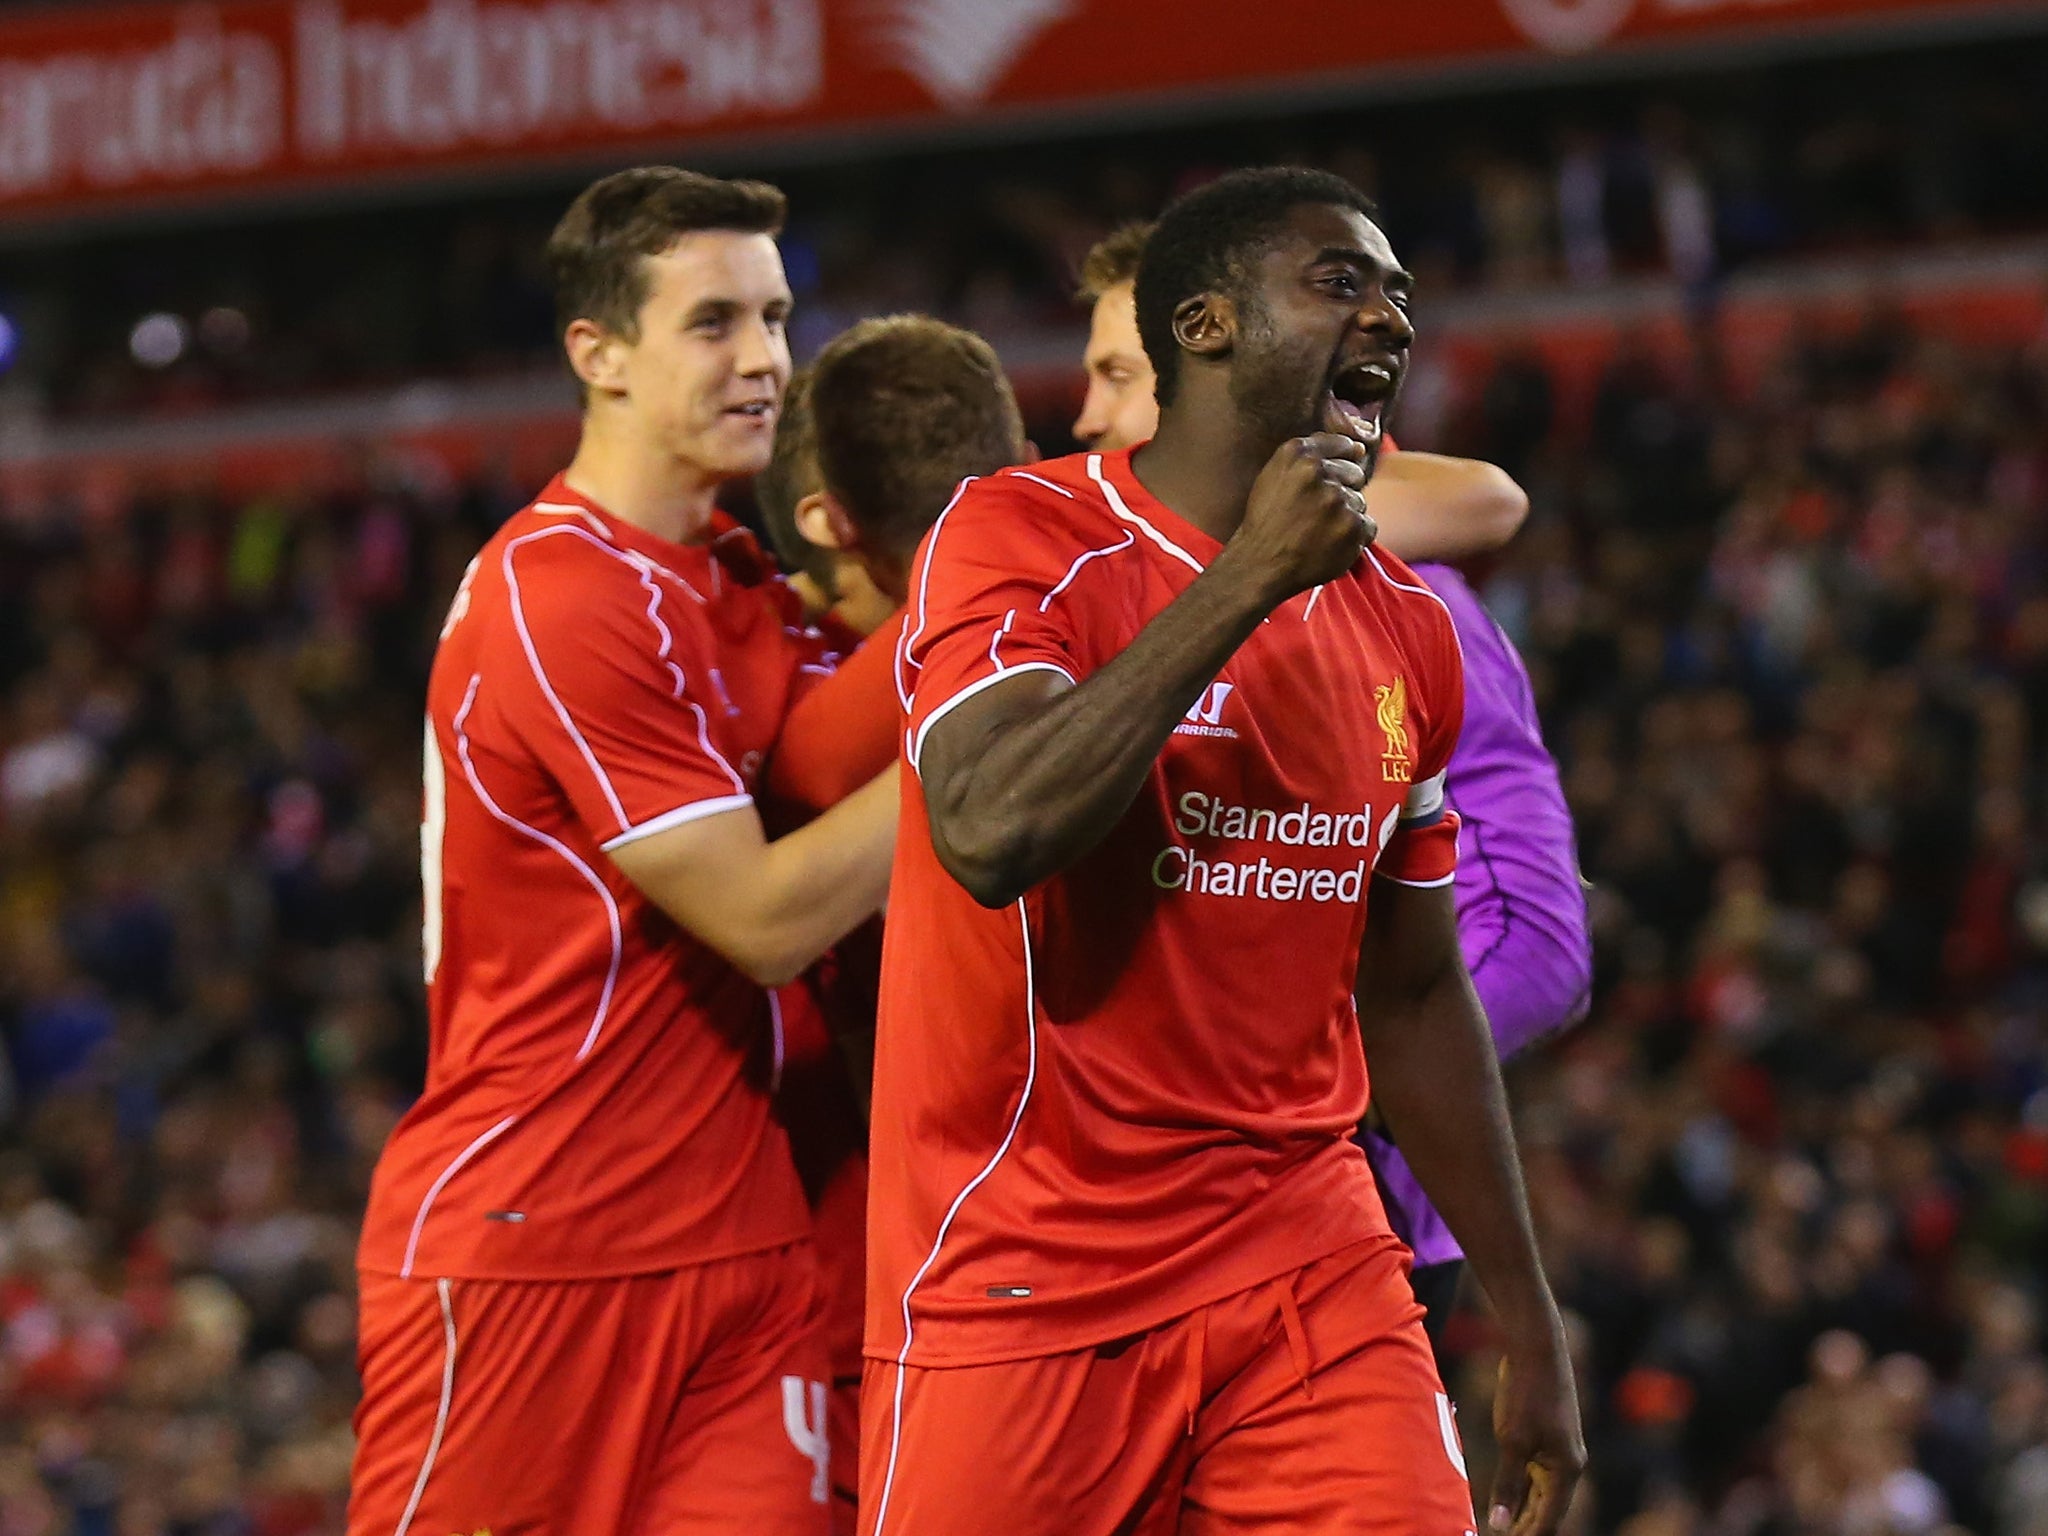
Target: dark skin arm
x,y
1027,777
1436,1080
1024,778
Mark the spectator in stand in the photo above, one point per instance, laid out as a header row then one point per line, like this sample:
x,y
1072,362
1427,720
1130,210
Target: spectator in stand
x,y
1791,649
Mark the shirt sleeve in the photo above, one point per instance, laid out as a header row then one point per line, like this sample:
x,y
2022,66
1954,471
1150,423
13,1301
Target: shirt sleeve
x,y
1423,850
991,598
843,731
1521,905
618,721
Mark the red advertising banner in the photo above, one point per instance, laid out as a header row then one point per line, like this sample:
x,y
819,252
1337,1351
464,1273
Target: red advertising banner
x,y
103,107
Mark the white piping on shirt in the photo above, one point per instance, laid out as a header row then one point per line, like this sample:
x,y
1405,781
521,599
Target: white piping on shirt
x,y
604,1001
1402,586
661,628
643,570
1420,885
419,1221
902,1355
1025,474
540,673
681,816
924,579
564,509
945,709
1001,630
1117,508
419,1488
591,877
1066,581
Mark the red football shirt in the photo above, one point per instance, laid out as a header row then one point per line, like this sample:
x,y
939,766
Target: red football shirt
x,y
845,731
597,1098
1132,1092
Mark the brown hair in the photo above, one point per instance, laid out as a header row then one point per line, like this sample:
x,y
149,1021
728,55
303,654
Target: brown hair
x,y
905,408
791,474
596,256
1113,261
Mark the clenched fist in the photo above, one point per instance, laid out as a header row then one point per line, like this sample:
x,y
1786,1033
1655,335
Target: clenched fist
x,y
1306,522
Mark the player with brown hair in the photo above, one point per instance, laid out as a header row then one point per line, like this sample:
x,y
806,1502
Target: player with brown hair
x,y
589,1301
901,410
791,501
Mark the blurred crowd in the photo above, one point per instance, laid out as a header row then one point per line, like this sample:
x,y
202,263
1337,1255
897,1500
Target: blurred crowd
x,y
210,982
1792,1175
1693,177
1791,648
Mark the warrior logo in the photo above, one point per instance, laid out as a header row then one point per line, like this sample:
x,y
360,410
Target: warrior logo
x,y
1205,717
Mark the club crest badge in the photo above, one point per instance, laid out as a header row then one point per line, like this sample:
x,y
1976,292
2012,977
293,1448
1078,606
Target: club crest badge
x,y
1397,763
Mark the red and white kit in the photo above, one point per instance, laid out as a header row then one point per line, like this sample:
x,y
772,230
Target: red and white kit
x,y
1121,1247
838,737
589,1302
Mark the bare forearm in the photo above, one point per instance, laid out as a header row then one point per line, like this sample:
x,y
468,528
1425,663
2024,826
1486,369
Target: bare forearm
x,y
1429,507
822,881
1437,1082
771,908
1035,793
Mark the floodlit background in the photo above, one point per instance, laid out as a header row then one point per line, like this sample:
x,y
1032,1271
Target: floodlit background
x,y
1751,295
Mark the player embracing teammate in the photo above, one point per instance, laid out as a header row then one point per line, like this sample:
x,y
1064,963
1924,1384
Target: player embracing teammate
x,y
589,1302
1127,1271
1521,905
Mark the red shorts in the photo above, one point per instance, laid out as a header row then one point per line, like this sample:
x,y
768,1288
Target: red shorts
x,y
691,1401
1309,1405
839,1218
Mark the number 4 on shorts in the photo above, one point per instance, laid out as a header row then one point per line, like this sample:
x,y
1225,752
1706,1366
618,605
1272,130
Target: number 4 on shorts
x,y
803,1416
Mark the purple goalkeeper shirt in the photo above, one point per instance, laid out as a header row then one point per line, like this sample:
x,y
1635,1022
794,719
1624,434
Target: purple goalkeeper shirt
x,y
1521,907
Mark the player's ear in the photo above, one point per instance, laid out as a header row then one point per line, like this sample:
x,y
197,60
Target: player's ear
x,y
597,355
1031,454
823,522
1205,325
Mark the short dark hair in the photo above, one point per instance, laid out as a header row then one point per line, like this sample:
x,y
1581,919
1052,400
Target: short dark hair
x,y
791,474
1208,240
904,409
1113,260
597,255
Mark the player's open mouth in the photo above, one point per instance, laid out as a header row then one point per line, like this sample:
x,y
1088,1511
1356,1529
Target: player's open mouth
x,y
753,410
1357,396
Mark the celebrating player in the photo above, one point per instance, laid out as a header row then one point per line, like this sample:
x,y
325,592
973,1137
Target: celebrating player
x,y
900,410
588,1300
897,411
791,499
1426,506
1171,723
1521,908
